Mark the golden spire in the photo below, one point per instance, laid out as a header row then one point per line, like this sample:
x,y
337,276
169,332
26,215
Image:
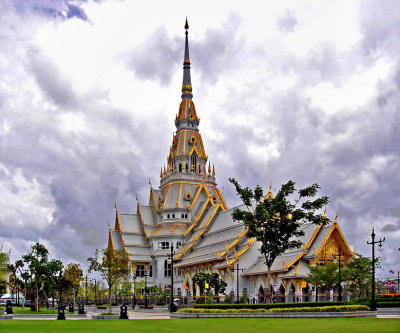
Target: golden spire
x,y
161,175
269,195
173,139
209,167
164,173
117,224
335,218
213,172
151,187
110,241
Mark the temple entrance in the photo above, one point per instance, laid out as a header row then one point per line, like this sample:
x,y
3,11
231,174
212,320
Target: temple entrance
x,y
292,291
194,289
261,295
305,297
281,294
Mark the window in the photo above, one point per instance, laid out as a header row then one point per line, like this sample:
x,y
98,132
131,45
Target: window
x,y
151,271
168,216
167,268
173,216
163,245
140,270
185,216
180,167
194,162
178,245
187,167
179,272
182,216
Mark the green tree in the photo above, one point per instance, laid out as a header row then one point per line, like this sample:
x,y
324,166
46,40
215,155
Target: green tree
x,y
40,269
217,283
358,270
113,266
3,270
323,276
201,279
125,288
73,274
276,222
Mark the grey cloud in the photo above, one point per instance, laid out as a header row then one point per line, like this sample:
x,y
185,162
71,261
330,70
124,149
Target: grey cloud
x,y
288,22
51,81
156,59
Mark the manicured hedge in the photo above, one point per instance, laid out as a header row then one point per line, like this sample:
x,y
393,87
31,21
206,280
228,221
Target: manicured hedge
x,y
266,305
388,304
339,308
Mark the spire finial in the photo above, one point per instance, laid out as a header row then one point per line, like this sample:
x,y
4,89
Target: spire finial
x,y
187,82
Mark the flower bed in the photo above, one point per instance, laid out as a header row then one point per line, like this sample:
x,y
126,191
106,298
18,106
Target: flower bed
x,y
267,305
339,308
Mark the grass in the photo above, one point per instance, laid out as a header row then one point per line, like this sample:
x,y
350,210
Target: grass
x,y
231,325
27,310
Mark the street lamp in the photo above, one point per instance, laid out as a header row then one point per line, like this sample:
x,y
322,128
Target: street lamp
x,y
172,306
134,287
95,289
339,255
237,269
373,242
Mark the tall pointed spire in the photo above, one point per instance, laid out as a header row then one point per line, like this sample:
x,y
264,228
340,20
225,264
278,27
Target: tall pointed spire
x,y
187,82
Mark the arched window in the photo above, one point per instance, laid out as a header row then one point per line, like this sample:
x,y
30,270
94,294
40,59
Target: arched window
x,y
180,167
168,216
173,216
182,216
187,167
167,268
178,245
185,216
194,162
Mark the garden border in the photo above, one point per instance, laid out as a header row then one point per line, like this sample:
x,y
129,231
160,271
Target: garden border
x,y
353,314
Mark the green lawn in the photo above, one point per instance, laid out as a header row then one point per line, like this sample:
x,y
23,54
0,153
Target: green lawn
x,y
27,310
230,325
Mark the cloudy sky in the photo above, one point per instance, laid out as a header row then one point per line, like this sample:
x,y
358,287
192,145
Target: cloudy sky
x,y
307,91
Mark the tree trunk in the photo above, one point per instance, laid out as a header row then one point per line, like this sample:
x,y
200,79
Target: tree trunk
x,y
269,296
74,293
37,298
109,298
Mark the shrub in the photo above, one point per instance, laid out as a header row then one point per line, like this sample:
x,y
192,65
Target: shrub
x,y
227,300
102,307
339,308
388,304
109,314
199,300
266,305
209,300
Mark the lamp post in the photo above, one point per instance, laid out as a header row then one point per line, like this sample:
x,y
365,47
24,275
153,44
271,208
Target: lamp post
x,y
373,242
95,289
339,255
237,269
134,287
172,306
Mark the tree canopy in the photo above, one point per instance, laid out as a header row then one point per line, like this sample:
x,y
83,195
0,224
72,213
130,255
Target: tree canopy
x,y
278,221
113,265
73,274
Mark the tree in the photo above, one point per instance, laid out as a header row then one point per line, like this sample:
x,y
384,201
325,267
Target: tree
x,y
358,270
73,274
201,279
39,269
276,222
207,281
3,270
323,276
217,283
113,266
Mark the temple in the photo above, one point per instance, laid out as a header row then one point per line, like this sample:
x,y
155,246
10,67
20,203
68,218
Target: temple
x,y
188,211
